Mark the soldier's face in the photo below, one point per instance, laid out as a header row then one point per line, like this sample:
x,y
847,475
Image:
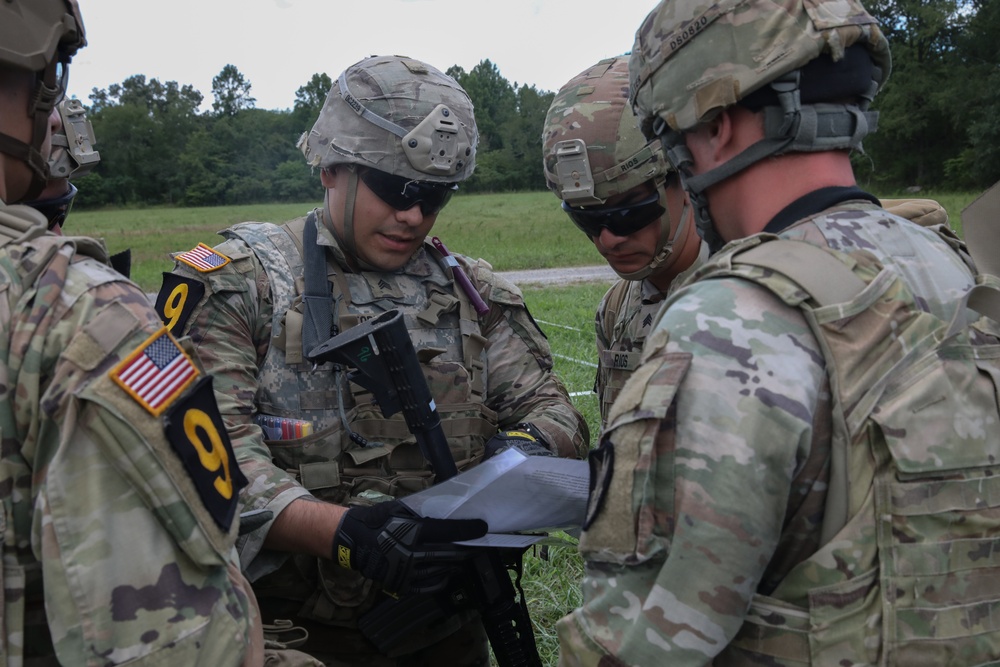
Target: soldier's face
x,y
385,237
628,254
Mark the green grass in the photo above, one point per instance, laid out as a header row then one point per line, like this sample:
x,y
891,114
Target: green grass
x,y
512,231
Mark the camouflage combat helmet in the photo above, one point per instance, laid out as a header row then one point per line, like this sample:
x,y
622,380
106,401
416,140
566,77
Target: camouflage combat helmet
x,y
398,115
592,146
593,149
797,61
39,36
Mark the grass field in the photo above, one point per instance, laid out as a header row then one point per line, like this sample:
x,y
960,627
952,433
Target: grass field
x,y
516,231
513,231
519,231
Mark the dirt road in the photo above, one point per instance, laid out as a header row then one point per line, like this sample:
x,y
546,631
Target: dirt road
x,y
564,276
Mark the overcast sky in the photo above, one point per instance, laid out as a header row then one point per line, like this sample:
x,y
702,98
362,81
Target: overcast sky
x,y
279,44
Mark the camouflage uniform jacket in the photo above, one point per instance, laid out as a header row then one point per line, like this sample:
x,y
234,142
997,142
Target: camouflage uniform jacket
x,y
707,538
624,319
247,324
116,546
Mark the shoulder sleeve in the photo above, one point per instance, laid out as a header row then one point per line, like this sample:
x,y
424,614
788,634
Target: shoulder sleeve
x,y
134,562
522,386
230,328
698,461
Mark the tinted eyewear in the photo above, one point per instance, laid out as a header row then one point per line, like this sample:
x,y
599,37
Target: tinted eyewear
x,y
55,209
620,220
403,193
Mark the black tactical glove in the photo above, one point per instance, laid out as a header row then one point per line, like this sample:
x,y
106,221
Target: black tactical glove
x,y
387,542
525,438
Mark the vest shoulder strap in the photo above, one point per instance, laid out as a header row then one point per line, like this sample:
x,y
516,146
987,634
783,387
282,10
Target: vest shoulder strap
x,y
276,249
824,277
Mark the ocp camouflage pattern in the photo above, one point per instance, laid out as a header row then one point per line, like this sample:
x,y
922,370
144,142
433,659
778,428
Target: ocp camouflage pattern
x,y
624,320
109,556
732,47
708,546
593,106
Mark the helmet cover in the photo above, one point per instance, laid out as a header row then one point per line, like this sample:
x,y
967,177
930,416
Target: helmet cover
x,y
732,48
592,146
397,115
32,32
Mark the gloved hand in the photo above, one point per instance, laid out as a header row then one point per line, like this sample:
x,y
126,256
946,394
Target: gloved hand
x,y
387,542
525,438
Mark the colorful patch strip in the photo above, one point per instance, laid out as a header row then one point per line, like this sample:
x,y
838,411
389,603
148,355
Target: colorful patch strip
x,y
156,373
203,259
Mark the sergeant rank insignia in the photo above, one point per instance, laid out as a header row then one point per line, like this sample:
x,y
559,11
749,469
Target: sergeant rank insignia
x,y
156,373
203,259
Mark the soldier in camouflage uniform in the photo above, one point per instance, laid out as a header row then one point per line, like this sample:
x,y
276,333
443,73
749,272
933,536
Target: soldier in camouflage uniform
x,y
392,142
619,189
118,521
615,184
802,469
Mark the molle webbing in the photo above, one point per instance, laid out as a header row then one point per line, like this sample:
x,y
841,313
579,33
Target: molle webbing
x,y
281,266
285,255
828,281
473,342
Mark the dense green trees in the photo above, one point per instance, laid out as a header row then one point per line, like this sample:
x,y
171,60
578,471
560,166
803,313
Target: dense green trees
x,y
939,124
939,119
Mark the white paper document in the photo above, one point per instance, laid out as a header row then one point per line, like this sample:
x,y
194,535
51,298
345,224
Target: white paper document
x,y
512,493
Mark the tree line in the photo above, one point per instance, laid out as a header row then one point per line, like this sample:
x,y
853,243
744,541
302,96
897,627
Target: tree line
x,y
939,123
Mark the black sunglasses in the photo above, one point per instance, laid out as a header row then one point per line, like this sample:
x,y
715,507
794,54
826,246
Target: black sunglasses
x,y
55,209
620,220
403,193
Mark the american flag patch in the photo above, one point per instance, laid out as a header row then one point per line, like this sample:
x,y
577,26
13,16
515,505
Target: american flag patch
x,y
203,259
156,373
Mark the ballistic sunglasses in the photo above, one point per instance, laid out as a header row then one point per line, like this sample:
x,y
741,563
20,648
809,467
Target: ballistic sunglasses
x,y
620,220
403,193
55,209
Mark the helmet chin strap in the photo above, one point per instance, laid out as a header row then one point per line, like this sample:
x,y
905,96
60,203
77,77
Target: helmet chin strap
x,y
43,100
664,256
679,155
789,126
347,242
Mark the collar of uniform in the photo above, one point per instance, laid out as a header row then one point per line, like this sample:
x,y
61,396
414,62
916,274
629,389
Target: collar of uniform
x,y
816,202
651,293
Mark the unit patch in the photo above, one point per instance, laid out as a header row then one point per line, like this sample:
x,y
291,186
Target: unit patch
x,y
156,373
194,428
177,299
203,259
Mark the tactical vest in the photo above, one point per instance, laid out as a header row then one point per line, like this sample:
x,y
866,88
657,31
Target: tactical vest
x,y
626,339
909,568
385,459
445,331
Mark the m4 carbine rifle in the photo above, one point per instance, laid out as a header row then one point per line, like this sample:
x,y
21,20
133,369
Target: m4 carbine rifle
x,y
386,364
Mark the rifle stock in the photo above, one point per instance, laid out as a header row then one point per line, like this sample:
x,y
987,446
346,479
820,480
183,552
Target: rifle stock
x,y
386,364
